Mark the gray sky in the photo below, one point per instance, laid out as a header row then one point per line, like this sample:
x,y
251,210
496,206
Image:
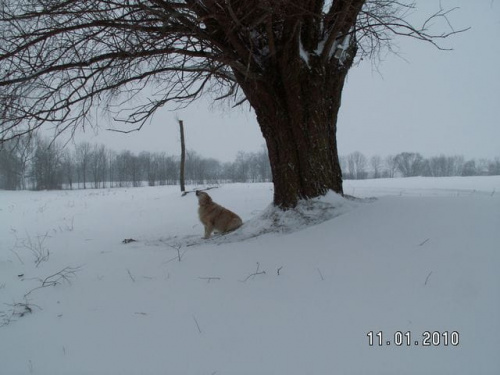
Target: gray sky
x,y
424,100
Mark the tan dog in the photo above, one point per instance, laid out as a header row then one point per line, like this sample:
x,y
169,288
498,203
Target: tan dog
x,y
216,217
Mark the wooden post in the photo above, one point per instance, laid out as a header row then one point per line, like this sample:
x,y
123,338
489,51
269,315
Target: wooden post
x,y
183,157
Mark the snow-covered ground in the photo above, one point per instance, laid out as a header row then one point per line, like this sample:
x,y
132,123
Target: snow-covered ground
x,y
301,298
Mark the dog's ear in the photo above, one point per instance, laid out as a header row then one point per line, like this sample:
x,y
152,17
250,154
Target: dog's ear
x,y
197,193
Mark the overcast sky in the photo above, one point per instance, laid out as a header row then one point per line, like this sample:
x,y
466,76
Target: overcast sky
x,y
424,100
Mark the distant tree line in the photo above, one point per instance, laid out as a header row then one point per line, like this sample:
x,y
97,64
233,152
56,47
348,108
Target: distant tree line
x,y
39,164
356,166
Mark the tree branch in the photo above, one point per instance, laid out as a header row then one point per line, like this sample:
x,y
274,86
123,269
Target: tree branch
x,y
63,59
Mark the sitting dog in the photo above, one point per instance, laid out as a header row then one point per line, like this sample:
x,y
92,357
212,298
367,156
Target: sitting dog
x,y
216,217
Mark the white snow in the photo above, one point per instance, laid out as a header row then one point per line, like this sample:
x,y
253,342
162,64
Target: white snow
x,y
423,256
341,48
321,46
303,53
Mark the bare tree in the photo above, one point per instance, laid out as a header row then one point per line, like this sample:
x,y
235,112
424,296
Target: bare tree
x,y
241,167
494,167
10,167
356,164
111,167
83,154
211,170
376,164
98,164
68,167
167,169
469,168
47,165
194,168
446,165
458,165
391,166
482,167
121,167
150,167
287,58
15,161
344,166
263,165
133,168
410,164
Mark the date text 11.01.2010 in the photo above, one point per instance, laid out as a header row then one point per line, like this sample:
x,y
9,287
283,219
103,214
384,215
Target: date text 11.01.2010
x,y
427,338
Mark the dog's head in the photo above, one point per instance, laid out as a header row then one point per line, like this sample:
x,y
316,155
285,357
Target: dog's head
x,y
203,198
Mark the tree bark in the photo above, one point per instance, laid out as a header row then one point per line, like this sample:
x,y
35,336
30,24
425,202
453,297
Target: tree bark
x,y
297,107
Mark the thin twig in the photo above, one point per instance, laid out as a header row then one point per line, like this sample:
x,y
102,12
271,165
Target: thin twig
x,y
177,247
130,274
320,274
252,275
423,243
66,274
209,279
194,191
197,325
36,247
17,310
17,255
427,278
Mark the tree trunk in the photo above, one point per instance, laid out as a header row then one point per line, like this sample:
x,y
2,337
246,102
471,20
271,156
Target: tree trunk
x,y
183,157
297,107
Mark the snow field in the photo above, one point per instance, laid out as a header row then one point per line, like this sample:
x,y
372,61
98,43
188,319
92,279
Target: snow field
x,y
298,299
